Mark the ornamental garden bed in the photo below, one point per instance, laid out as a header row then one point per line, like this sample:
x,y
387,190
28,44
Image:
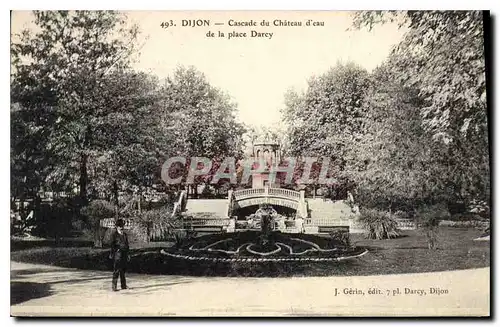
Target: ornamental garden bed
x,y
408,254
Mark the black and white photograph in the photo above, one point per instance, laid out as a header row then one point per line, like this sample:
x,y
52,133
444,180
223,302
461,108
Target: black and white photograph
x,y
227,163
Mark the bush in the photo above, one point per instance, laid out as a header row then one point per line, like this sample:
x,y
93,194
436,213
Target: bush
x,y
156,224
378,224
106,234
466,217
402,215
55,219
341,235
428,221
20,226
94,212
183,237
480,208
97,210
433,211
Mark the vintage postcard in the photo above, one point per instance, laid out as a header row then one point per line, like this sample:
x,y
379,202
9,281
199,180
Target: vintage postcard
x,y
250,163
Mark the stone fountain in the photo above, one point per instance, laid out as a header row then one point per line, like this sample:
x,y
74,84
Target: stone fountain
x,y
261,242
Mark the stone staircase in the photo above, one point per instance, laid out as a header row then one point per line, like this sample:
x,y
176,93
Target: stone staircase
x,y
205,208
206,215
323,215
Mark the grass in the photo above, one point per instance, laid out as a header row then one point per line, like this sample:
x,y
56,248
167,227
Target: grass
x,y
407,254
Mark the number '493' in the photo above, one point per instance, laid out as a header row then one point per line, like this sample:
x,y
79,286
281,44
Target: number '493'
x,y
167,24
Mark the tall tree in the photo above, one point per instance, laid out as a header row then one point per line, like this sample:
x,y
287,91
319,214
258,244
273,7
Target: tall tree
x,y
58,73
393,164
442,56
324,119
327,119
130,142
203,119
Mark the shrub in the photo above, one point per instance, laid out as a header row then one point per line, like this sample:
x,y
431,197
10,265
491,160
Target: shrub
x,y
341,235
438,211
466,217
378,224
55,219
480,208
402,215
183,237
98,209
94,212
21,226
242,224
156,224
428,221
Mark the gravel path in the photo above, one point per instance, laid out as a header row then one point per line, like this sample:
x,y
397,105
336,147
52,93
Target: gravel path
x,y
47,291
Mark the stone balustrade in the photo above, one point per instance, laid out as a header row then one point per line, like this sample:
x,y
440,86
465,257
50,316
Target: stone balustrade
x,y
273,196
281,192
207,222
272,201
326,222
272,192
248,193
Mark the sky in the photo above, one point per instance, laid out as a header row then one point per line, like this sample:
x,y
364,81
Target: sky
x,y
255,71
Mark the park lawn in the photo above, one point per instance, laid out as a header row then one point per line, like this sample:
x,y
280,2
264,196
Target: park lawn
x,y
407,254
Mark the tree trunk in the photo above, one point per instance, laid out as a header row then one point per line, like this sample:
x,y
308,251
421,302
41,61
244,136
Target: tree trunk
x,y
22,199
97,235
195,191
139,202
37,207
148,232
83,178
115,196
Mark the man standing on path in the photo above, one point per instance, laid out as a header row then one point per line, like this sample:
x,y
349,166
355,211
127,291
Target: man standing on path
x,y
119,254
